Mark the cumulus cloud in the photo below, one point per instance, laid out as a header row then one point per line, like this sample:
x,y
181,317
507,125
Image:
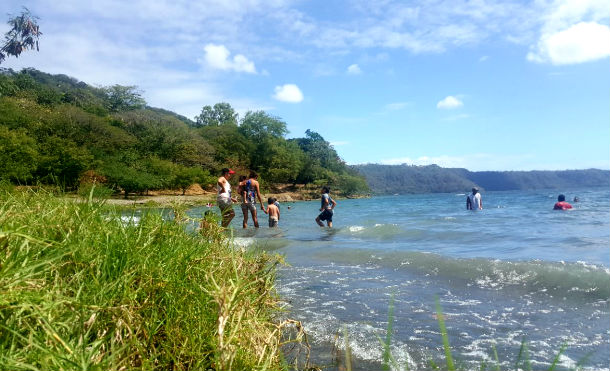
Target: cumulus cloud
x,y
288,93
449,102
583,42
217,56
574,31
354,69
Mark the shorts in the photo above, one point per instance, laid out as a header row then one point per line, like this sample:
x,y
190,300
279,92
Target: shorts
x,y
224,204
326,215
273,222
248,206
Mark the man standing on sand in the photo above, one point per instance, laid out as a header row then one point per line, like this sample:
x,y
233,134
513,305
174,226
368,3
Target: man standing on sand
x,y
473,201
223,198
250,191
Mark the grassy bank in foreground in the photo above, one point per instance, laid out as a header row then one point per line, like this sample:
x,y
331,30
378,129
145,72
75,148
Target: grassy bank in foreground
x,y
82,289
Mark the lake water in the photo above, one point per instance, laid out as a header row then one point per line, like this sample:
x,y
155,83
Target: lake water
x,y
515,270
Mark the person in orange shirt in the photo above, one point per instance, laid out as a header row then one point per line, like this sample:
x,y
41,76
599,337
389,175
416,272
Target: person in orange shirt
x,y
561,203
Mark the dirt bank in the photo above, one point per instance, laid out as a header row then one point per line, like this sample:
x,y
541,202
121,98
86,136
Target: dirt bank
x,y
195,195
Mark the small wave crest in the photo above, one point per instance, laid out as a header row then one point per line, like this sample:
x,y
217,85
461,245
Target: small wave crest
x,y
375,231
561,279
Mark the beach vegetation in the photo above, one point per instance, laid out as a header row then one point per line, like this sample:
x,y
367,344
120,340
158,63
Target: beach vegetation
x,y
85,286
56,128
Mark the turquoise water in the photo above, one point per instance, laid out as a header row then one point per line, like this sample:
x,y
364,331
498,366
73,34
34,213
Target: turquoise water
x,y
516,269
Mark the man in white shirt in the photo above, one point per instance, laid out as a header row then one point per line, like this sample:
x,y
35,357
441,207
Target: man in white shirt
x,y
224,198
473,201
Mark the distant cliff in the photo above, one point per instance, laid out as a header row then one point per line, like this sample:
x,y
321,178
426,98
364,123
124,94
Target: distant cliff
x,y
402,179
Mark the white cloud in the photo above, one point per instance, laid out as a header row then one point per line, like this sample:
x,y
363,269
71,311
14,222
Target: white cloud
x,y
395,106
449,102
217,56
354,69
425,26
288,93
574,31
583,42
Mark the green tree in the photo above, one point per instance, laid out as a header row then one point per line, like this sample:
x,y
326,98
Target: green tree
x,y
7,85
123,98
286,161
23,34
264,132
231,147
260,125
220,114
184,177
62,161
18,155
128,179
167,137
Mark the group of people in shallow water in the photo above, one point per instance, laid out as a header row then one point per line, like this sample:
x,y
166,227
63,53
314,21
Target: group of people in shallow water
x,y
249,192
474,202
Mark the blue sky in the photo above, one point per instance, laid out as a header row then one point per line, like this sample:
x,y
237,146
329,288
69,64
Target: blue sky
x,y
484,85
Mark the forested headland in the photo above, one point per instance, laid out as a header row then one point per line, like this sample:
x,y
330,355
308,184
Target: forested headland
x,y
404,179
56,130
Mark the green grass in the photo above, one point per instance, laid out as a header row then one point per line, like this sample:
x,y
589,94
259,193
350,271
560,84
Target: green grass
x,y
389,362
81,289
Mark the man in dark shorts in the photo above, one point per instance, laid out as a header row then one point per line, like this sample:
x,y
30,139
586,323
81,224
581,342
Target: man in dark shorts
x,y
326,208
250,191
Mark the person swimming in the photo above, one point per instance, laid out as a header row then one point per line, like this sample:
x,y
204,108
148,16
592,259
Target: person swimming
x,y
561,203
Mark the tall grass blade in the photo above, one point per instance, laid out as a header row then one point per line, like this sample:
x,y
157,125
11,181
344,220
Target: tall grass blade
x,y
556,359
388,334
523,356
583,360
348,351
441,325
493,347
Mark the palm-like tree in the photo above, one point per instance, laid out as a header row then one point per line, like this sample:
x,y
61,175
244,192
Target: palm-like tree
x,y
23,35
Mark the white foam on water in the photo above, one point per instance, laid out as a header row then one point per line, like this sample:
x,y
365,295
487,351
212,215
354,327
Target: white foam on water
x,y
129,219
355,228
243,241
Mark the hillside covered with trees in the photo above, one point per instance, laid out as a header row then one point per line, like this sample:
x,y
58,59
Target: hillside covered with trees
x,y
57,130
403,179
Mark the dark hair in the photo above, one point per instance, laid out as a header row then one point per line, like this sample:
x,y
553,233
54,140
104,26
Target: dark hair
x,y
326,189
270,200
225,170
253,174
242,178
561,198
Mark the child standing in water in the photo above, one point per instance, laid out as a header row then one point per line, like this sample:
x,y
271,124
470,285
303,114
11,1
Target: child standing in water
x,y
273,211
326,208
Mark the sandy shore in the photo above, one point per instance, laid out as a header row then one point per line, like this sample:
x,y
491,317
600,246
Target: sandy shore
x,y
195,195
